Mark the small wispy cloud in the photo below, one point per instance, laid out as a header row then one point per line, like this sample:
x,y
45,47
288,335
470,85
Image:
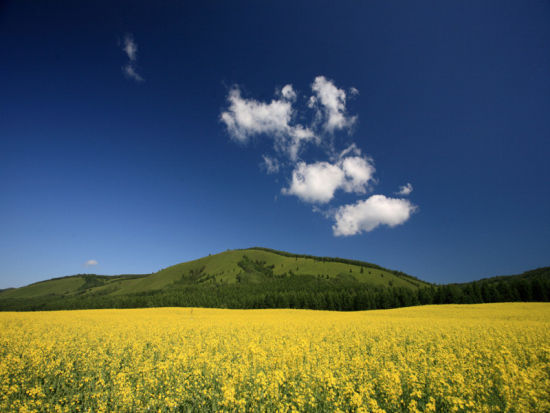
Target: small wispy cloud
x,y
405,190
270,164
91,263
130,72
130,48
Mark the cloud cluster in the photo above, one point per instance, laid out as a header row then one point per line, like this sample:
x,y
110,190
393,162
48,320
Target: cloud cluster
x,y
129,46
318,181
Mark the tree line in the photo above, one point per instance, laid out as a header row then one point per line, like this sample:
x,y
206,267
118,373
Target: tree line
x,y
301,292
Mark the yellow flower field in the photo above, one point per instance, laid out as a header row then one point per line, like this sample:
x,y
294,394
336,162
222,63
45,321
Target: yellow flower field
x,y
489,357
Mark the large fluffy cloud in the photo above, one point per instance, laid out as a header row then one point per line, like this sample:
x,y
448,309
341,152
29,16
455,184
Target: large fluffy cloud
x,y
247,117
359,172
366,215
317,182
331,101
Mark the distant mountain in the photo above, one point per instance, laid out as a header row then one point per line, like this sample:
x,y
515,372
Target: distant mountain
x,y
265,278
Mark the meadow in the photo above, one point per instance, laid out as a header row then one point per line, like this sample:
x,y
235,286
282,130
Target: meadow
x,y
456,358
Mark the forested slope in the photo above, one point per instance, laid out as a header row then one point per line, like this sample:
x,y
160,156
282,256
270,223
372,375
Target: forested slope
x,y
264,278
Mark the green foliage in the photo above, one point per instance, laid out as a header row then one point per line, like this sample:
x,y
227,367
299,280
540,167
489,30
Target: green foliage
x,y
530,286
91,281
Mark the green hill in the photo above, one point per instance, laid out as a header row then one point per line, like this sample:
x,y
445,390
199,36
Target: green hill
x,y
247,269
254,265
265,278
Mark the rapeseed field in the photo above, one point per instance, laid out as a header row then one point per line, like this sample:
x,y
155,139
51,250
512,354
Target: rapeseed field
x,y
456,358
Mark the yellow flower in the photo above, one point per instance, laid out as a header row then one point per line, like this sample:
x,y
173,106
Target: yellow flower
x,y
492,357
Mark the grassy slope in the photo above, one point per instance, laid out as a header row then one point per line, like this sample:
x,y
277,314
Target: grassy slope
x,y
66,285
222,267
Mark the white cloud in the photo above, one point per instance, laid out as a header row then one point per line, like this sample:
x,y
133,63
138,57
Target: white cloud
x,y
130,48
293,144
248,117
317,182
286,120
333,103
130,72
245,118
270,164
405,189
359,171
288,92
352,149
366,215
90,263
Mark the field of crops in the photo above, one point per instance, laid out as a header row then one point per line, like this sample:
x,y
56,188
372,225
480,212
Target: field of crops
x,y
490,357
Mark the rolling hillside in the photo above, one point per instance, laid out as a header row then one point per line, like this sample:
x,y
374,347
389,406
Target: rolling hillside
x,y
254,269
264,278
230,267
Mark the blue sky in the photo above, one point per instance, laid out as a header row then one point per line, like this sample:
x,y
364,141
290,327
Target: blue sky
x,y
115,151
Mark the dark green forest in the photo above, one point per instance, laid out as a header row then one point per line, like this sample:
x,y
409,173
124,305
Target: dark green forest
x,y
258,287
